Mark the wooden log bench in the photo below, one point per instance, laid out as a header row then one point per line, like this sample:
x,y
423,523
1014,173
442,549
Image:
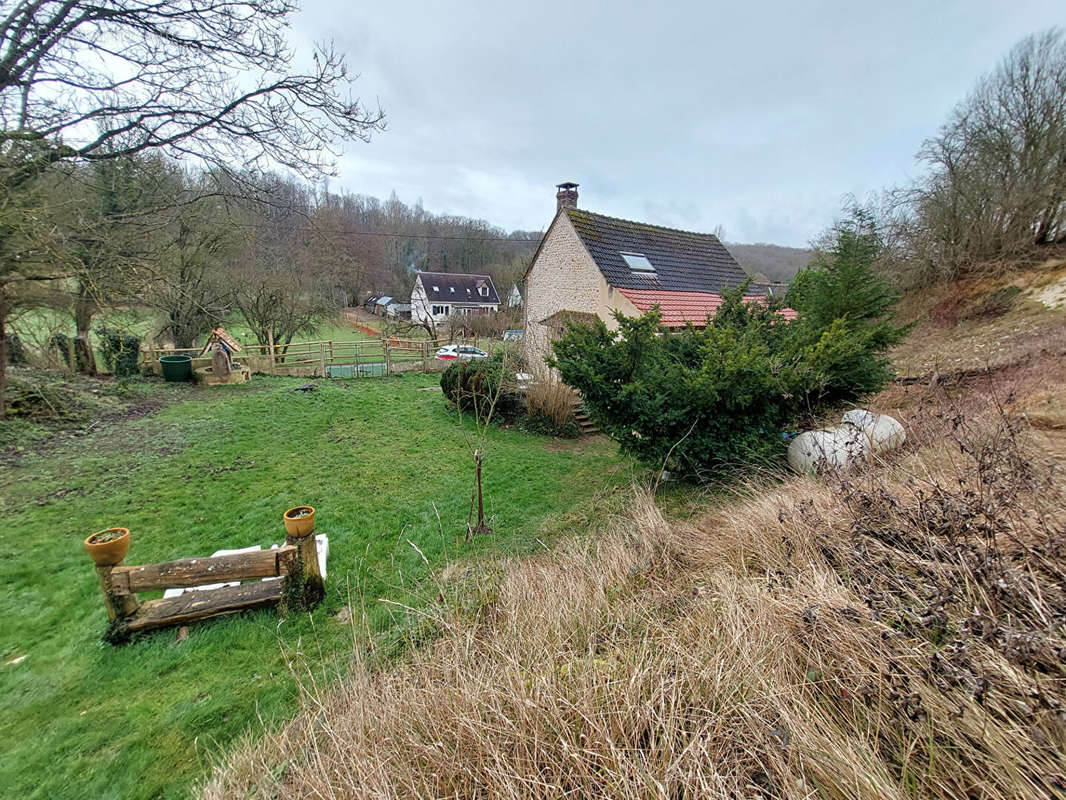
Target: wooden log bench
x,y
295,564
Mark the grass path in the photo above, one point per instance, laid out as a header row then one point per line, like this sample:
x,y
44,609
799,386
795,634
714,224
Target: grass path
x,y
377,458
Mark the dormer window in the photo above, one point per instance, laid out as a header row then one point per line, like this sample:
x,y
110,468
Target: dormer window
x,y
436,288
637,262
484,291
452,288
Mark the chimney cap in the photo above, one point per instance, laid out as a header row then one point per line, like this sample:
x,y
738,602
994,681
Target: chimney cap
x,y
566,185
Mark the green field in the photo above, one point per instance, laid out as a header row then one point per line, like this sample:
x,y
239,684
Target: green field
x,y
212,469
36,326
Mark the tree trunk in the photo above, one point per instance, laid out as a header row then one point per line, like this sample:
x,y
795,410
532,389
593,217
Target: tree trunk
x,y
84,308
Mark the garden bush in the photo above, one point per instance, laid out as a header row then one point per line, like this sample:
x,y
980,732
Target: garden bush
x,y
120,351
704,403
62,345
483,386
16,353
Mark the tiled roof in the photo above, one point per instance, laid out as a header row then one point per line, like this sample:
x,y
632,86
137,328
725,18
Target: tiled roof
x,y
456,287
683,261
679,308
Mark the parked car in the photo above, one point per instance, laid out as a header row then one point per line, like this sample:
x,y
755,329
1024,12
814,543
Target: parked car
x,y
450,352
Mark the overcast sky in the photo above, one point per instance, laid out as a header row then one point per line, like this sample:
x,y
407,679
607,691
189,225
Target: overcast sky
x,y
758,116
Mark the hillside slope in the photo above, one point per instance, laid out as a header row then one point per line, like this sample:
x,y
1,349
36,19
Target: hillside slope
x,y
893,633
773,261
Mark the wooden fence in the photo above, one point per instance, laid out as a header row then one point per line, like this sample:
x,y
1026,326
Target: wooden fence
x,y
366,358
295,565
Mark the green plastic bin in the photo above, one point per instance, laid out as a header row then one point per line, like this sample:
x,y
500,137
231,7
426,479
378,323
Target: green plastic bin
x,y
176,368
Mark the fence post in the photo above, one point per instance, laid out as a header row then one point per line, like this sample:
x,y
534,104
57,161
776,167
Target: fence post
x,y
425,357
117,605
322,357
388,356
304,582
270,351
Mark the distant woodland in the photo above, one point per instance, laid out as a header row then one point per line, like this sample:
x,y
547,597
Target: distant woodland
x,y
770,261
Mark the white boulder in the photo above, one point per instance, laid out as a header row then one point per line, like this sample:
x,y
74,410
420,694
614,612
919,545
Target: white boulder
x,y
830,449
886,433
861,434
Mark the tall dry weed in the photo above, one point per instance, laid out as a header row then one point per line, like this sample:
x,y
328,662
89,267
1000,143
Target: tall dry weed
x,y
550,398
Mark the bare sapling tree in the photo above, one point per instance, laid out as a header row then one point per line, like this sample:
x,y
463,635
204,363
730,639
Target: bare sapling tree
x,y
97,80
484,393
187,289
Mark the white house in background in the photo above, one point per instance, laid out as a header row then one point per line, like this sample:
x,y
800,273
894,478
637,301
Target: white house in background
x,y
439,295
514,299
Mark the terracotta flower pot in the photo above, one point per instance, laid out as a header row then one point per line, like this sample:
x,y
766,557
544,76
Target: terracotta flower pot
x,y
110,552
299,526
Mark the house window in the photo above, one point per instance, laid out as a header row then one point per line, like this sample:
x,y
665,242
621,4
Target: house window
x,y
436,288
439,311
484,291
637,262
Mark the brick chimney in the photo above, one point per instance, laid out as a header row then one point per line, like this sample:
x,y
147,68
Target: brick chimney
x,y
566,197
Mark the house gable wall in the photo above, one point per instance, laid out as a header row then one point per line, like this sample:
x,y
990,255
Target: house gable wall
x,y
563,277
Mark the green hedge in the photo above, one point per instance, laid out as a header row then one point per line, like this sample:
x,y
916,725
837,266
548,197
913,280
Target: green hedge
x,y
474,385
704,403
120,351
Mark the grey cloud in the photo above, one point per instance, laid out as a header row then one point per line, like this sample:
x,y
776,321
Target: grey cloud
x,y
759,116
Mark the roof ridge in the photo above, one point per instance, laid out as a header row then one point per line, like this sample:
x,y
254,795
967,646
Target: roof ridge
x,y
570,211
459,274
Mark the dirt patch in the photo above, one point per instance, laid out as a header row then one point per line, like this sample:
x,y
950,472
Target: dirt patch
x,y
576,445
60,433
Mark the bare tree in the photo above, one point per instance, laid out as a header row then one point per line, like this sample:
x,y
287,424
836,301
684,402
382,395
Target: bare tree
x,y
188,287
997,184
483,391
96,80
272,286
104,79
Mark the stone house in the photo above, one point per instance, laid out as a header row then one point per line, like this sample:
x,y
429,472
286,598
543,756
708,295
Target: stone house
x,y
589,265
436,296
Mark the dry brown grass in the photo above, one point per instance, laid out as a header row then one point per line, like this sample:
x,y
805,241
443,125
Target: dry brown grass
x,y
551,399
898,634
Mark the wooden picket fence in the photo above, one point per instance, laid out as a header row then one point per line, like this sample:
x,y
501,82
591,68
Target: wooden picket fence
x,y
295,564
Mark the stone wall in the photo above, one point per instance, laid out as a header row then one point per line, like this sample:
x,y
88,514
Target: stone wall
x,y
565,278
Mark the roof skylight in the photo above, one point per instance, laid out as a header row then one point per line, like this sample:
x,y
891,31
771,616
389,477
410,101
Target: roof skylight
x,y
637,262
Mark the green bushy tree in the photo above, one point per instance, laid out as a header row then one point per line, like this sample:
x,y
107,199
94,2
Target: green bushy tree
x,y
842,288
707,402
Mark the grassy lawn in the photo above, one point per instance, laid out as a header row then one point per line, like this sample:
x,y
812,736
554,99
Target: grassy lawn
x,y
214,469
36,327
